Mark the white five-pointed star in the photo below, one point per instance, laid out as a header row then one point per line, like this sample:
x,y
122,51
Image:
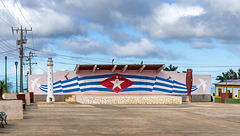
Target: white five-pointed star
x,y
117,83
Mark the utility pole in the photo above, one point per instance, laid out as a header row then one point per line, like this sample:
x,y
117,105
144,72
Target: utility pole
x,y
21,42
5,87
30,61
16,63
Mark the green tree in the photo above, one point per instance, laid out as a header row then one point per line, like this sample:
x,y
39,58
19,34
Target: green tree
x,y
238,73
171,68
4,87
221,78
230,74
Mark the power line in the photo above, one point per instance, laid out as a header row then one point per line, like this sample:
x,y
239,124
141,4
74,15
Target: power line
x,y
41,68
10,13
6,42
5,21
67,56
22,13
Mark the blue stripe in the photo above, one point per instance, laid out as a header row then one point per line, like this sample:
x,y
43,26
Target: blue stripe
x,y
163,85
58,91
59,86
94,77
44,91
96,89
176,91
89,83
137,89
178,87
162,90
71,85
71,90
138,77
143,83
57,82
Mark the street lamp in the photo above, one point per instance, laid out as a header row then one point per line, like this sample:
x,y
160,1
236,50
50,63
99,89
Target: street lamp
x,y
27,81
16,63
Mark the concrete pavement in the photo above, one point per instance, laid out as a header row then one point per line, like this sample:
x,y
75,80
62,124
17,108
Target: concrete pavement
x,y
112,120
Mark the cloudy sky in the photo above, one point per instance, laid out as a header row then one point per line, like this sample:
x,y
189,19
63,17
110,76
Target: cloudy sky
x,y
200,34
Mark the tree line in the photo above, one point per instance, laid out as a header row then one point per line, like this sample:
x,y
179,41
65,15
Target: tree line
x,y
230,74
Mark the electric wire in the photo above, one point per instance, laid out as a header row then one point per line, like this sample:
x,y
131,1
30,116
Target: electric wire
x,y
41,68
6,42
10,13
22,13
5,22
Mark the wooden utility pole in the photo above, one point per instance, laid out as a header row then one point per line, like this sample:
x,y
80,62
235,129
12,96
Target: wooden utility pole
x,y
30,61
21,42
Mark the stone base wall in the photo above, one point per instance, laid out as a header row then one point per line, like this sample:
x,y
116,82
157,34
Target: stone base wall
x,y
9,96
13,109
197,97
58,98
128,99
62,98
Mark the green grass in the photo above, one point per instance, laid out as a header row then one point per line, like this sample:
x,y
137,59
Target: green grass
x,y
230,100
218,100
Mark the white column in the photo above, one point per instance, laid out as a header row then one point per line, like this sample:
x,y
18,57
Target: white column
x,y
50,96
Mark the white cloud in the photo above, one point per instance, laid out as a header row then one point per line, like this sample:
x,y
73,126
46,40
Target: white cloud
x,y
83,46
202,43
143,48
222,6
169,14
172,21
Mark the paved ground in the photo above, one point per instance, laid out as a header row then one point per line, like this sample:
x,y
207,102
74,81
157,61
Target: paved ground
x,y
141,120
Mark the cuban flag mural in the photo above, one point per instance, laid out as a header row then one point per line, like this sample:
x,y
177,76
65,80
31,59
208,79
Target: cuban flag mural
x,y
118,83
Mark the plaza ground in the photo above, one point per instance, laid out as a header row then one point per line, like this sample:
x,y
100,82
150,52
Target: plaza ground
x,y
112,120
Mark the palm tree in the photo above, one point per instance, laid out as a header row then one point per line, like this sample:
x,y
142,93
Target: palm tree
x,y
230,74
170,68
238,73
4,87
221,78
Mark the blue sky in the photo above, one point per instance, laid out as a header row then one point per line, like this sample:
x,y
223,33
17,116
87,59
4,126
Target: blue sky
x,y
198,34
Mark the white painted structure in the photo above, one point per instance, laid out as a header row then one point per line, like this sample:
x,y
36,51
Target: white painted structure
x,y
50,96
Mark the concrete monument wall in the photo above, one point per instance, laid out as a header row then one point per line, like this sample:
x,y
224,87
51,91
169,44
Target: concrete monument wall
x,y
13,109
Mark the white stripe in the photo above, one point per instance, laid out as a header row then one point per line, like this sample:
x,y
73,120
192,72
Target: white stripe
x,y
57,89
141,80
71,87
163,87
91,80
92,86
179,89
69,83
141,86
180,85
164,82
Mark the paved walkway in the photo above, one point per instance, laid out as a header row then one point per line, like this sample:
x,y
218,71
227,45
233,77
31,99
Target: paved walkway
x,y
136,120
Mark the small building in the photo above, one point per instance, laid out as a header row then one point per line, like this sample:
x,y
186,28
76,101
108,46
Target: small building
x,y
231,86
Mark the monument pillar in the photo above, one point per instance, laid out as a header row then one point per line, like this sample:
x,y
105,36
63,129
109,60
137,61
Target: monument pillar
x,y
189,81
50,96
